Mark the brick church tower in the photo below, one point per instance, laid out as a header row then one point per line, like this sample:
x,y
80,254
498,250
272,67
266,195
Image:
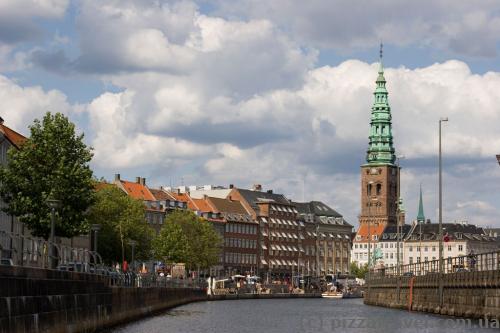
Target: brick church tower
x,y
380,174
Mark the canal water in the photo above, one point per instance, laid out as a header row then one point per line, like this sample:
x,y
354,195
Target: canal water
x,y
298,315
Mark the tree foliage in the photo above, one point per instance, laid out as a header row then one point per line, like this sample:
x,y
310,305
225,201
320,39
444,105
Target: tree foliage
x,y
122,219
359,271
188,238
52,163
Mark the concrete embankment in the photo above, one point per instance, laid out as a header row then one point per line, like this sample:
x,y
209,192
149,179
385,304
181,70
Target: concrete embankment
x,y
39,300
462,294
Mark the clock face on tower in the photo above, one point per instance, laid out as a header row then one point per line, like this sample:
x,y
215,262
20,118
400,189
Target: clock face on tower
x,y
373,171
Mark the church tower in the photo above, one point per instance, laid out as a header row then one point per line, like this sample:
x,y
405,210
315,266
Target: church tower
x,y
379,175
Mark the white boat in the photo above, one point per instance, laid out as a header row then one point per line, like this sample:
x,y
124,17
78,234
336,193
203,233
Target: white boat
x,y
331,294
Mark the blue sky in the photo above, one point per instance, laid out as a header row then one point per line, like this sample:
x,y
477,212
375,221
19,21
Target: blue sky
x,y
278,93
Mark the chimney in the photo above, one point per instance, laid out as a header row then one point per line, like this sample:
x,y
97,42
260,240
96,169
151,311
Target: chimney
x,y
143,181
1,121
117,177
270,191
257,187
138,180
231,186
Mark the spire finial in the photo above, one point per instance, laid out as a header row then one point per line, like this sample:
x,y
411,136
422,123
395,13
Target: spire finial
x,y
421,216
381,51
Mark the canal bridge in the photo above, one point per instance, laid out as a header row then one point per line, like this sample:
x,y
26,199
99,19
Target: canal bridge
x,y
468,286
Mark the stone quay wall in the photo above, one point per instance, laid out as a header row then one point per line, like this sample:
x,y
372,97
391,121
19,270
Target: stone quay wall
x,y
464,294
40,300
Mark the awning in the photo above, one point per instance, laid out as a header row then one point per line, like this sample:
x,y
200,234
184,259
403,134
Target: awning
x,y
301,223
294,210
309,234
295,223
295,236
278,262
273,247
263,262
289,248
272,261
264,233
301,236
264,247
301,248
273,234
294,262
273,221
289,222
338,236
294,248
278,247
264,219
289,263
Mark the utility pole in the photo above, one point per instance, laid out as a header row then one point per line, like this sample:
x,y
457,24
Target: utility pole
x,y
398,213
441,270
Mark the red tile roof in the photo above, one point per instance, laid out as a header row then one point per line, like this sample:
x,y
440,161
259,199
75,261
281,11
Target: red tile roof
x,y
137,191
184,197
15,138
373,230
203,206
160,194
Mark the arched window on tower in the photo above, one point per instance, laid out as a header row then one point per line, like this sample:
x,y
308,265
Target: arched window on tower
x,y
379,189
369,189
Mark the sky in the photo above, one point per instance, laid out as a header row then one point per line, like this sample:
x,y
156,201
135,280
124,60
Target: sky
x,y
276,92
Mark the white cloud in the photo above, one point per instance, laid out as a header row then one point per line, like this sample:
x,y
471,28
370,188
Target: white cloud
x,y
33,8
463,27
21,105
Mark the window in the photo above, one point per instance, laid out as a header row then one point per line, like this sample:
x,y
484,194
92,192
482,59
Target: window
x,y
426,258
449,247
411,260
379,189
433,249
426,249
460,248
369,189
418,259
410,248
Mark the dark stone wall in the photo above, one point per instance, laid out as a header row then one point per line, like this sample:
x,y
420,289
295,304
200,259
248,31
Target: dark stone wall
x,y
465,294
39,300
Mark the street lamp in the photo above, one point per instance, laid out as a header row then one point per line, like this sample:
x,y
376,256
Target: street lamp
x,y
441,199
95,228
53,204
133,243
398,211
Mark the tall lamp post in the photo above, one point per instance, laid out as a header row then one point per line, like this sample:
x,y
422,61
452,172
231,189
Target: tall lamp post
x,y
398,212
133,243
53,204
441,262
95,229
441,199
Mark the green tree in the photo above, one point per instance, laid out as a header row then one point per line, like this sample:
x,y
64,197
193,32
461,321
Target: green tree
x,y
198,243
52,163
171,244
122,219
359,271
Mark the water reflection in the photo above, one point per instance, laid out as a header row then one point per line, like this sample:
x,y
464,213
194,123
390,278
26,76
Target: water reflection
x,y
297,315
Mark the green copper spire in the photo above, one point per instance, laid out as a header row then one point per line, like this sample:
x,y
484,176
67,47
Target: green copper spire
x,y
380,149
420,215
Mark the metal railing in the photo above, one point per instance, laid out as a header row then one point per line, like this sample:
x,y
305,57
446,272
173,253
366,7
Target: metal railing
x,y
467,263
149,280
29,251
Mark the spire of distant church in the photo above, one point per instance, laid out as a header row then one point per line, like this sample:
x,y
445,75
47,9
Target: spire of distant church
x,y
381,149
420,215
